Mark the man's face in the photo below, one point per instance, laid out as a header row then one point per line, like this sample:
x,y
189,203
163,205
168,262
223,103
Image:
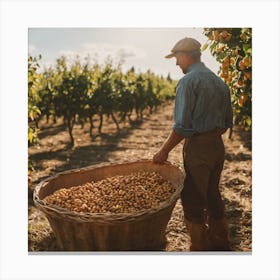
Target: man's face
x,y
183,61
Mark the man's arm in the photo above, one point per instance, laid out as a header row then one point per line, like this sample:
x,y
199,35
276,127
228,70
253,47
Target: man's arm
x,y
172,140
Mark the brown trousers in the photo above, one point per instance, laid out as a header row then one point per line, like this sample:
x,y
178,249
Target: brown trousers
x,y
203,162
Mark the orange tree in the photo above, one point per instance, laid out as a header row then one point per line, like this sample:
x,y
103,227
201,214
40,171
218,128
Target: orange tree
x,y
232,47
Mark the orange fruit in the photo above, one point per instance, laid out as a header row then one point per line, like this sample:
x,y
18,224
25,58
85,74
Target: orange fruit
x,y
242,100
224,34
216,34
220,49
232,60
243,37
241,65
228,79
240,82
247,75
246,61
224,74
228,37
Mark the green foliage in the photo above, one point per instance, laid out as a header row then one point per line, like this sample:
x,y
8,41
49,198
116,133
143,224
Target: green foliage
x,y
232,47
77,92
34,85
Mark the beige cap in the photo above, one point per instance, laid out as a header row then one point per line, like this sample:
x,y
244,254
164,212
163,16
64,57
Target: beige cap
x,y
184,45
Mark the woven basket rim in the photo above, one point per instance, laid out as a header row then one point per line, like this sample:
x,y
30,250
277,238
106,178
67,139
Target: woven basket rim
x,y
106,217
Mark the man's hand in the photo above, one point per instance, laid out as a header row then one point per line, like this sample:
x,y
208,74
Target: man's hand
x,y
160,157
172,140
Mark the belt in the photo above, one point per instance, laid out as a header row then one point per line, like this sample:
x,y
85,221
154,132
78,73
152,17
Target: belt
x,y
216,131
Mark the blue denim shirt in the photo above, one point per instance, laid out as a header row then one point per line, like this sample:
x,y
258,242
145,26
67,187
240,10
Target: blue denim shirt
x,y
202,102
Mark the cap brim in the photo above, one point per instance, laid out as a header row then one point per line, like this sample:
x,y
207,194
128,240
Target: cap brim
x,y
170,55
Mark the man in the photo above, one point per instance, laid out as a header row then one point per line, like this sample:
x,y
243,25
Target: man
x,y
202,114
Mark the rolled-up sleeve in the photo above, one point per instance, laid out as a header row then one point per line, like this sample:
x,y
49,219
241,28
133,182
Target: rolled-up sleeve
x,y
184,102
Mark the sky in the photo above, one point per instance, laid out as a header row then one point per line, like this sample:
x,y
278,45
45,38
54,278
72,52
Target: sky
x,y
142,48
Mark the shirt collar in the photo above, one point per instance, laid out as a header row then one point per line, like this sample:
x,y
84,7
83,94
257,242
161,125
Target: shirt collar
x,y
196,65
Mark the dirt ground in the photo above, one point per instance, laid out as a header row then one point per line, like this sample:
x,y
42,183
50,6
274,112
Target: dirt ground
x,y
140,141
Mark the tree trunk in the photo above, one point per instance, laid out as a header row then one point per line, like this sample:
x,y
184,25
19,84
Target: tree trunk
x,y
115,121
54,119
137,114
91,126
141,114
100,123
37,122
123,117
82,123
70,125
129,117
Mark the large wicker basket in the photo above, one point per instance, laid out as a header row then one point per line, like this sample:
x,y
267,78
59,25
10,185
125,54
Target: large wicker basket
x,y
143,230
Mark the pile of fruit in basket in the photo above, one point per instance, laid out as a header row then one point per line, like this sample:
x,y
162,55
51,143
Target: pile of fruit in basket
x,y
118,194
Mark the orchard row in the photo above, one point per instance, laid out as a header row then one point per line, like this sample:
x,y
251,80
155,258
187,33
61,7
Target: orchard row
x,y
78,92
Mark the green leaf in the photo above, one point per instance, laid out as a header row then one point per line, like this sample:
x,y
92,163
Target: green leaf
x,y
221,56
248,121
30,136
246,47
204,47
213,46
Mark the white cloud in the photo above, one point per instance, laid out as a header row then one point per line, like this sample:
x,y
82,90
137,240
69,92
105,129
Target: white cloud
x,y
105,49
99,52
